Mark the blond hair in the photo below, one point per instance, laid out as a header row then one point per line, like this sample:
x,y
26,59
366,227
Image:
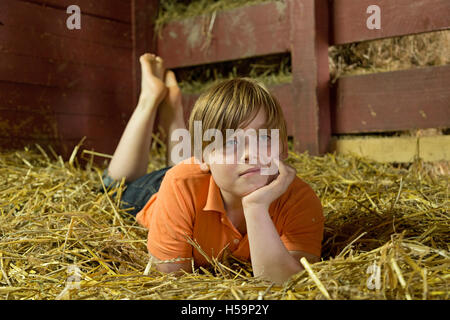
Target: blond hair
x,y
233,104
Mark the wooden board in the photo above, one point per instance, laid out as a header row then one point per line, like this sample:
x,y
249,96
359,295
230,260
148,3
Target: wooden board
x,y
32,70
144,13
44,100
396,149
17,124
393,101
59,48
94,127
234,34
116,10
58,85
18,143
64,148
311,109
298,26
398,17
45,20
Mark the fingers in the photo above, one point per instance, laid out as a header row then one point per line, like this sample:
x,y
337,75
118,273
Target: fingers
x,y
284,167
204,167
287,173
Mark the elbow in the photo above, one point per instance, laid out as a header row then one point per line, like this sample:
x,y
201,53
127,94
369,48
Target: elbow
x,y
174,268
280,274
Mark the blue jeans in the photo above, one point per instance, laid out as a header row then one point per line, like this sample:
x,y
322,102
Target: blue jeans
x,y
138,192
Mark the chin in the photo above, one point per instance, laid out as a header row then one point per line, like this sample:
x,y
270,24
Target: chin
x,y
255,185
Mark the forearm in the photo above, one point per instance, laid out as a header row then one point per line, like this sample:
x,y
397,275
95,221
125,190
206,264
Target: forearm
x,y
270,258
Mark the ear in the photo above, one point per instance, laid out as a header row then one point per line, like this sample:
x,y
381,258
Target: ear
x,y
284,153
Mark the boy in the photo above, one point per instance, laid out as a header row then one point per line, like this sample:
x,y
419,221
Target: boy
x,y
274,219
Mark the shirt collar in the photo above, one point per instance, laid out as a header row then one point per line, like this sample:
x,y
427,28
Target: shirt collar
x,y
214,201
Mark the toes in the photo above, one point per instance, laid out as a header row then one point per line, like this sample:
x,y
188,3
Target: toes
x,y
147,57
147,62
171,80
159,67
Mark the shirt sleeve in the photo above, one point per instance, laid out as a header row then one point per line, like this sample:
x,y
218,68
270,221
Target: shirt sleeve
x,y
304,223
171,221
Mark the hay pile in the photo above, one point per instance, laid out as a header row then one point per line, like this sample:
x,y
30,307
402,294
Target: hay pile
x,y
386,236
171,10
270,70
391,54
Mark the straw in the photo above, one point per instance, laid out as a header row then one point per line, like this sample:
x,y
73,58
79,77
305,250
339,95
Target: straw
x,y
52,217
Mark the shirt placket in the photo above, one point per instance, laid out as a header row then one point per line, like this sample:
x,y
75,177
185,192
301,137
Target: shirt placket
x,y
236,236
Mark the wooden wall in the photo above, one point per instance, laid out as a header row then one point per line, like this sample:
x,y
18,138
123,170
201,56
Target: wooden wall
x,y
296,26
314,108
58,85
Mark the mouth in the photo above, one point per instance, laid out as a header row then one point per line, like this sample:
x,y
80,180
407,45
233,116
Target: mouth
x,y
250,172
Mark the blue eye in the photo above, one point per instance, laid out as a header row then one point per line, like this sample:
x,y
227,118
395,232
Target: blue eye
x,y
231,142
264,137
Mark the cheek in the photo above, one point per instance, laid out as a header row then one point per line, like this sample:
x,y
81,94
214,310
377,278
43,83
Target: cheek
x,y
229,156
265,154
223,174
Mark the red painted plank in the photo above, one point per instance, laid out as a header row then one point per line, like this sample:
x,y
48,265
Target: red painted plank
x,y
110,9
393,101
77,126
15,124
8,144
63,147
101,145
311,108
30,16
298,26
284,93
39,71
25,125
144,13
46,45
260,29
398,17
41,99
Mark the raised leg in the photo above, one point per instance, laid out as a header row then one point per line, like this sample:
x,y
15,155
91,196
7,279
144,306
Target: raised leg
x,y
171,113
130,159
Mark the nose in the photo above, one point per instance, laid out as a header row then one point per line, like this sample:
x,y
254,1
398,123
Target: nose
x,y
251,150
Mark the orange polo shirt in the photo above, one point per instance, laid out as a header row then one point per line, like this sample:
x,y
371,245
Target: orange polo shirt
x,y
189,203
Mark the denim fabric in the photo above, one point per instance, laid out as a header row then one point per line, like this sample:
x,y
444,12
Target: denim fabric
x,y
138,192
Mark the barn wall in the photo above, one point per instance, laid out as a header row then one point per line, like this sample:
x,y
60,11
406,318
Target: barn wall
x,y
58,85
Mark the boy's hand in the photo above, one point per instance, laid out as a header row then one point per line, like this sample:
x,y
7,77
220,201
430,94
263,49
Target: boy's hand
x,y
264,196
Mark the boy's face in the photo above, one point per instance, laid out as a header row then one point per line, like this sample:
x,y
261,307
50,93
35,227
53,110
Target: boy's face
x,y
229,176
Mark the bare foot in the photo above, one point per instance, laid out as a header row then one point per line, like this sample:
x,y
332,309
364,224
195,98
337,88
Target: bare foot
x,y
171,109
152,85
